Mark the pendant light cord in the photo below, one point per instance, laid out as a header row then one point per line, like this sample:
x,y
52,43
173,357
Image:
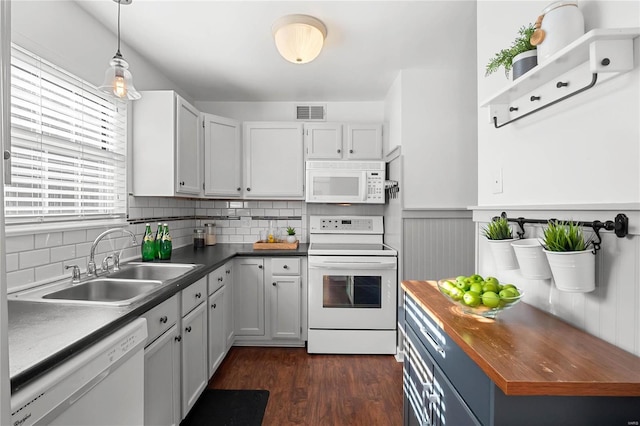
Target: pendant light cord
x,y
119,3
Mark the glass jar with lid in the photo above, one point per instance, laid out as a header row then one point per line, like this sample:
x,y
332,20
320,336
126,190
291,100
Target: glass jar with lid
x,y
210,234
198,238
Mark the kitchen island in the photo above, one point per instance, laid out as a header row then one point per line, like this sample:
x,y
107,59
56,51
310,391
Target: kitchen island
x,y
525,367
43,335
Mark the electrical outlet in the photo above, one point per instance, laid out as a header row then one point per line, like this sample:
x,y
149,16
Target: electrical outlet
x,y
497,181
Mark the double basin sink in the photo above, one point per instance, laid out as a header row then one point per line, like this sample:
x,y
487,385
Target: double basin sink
x,y
129,284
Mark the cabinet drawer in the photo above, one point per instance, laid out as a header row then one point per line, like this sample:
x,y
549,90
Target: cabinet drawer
x,y
161,318
432,397
473,385
217,279
285,266
193,295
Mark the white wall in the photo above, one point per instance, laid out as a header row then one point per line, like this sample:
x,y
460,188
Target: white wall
x,y
576,160
285,111
583,150
438,110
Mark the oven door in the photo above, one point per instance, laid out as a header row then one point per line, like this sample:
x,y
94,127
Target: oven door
x,y
336,186
352,292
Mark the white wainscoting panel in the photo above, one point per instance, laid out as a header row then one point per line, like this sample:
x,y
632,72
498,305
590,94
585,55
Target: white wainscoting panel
x,y
437,247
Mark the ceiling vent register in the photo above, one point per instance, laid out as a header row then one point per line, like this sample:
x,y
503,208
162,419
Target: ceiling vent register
x,y
311,112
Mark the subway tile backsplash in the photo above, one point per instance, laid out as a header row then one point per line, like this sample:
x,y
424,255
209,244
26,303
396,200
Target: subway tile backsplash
x,y
39,258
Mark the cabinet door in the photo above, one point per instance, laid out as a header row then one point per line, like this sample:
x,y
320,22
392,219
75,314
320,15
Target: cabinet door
x,y
222,161
194,356
229,331
274,160
285,307
162,380
188,155
217,338
248,297
323,141
364,142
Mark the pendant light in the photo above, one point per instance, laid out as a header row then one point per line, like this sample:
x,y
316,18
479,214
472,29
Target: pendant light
x,y
118,80
299,38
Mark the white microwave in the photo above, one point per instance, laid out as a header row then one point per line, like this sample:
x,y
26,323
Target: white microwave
x,y
345,182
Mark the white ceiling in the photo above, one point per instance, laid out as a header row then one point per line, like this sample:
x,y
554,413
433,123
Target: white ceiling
x,y
224,50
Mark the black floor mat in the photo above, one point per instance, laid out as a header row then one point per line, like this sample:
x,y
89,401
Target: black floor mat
x,y
223,407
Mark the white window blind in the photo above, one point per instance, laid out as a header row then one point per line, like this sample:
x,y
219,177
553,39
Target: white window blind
x,y
68,144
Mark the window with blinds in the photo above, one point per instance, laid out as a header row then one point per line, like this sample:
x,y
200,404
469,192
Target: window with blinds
x,y
68,144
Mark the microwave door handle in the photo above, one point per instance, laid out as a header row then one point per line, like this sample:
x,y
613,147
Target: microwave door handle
x,y
363,187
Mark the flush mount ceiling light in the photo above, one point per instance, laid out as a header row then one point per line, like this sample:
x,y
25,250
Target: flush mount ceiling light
x,y
299,38
118,80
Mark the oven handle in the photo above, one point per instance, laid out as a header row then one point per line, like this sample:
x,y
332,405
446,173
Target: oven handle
x,y
353,266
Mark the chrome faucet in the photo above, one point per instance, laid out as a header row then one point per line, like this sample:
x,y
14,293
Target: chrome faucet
x,y
91,266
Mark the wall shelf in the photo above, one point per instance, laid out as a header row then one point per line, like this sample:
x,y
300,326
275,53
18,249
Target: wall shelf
x,y
608,51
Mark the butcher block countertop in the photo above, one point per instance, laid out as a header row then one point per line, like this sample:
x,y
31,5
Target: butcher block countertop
x,y
526,351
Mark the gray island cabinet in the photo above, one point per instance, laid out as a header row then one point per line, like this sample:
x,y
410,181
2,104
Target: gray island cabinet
x,y
524,368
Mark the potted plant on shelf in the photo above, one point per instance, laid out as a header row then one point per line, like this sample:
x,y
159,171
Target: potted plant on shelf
x,y
571,260
500,237
291,234
521,56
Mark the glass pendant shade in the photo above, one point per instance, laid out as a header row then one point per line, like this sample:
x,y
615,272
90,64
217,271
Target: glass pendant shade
x,y
299,38
118,80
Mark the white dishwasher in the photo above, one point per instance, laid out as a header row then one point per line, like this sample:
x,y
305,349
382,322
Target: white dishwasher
x,y
102,385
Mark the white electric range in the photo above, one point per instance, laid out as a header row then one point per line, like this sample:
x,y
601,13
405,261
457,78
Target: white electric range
x,y
352,286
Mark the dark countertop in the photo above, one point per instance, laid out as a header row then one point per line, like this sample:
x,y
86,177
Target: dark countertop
x,y
526,351
42,335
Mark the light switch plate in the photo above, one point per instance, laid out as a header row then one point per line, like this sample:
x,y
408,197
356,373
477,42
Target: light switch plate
x,y
497,181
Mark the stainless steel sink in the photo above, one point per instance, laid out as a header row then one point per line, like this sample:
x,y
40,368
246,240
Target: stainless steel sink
x,y
112,291
152,271
132,282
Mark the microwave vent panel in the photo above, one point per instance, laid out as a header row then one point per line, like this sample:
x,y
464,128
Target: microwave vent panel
x,y
311,112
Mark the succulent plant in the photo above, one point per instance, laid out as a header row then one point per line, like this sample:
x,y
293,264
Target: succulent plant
x,y
291,230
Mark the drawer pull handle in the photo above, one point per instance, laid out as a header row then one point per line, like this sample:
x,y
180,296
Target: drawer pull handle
x,y
178,338
220,279
285,266
433,343
198,295
164,319
228,271
188,329
213,306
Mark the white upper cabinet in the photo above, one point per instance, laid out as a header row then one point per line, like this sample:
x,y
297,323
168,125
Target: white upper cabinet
x,y
323,141
274,160
166,146
222,157
337,141
364,141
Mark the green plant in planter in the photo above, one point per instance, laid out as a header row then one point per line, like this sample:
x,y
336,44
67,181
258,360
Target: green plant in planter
x,y
498,229
564,236
291,231
504,58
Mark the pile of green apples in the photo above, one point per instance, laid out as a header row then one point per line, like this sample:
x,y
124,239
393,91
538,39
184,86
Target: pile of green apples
x,y
474,291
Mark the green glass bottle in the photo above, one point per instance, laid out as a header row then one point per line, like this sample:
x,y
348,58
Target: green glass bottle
x,y
148,245
158,241
166,245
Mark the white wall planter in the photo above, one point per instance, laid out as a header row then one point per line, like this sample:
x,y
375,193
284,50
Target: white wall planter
x,y
532,260
573,271
524,62
503,254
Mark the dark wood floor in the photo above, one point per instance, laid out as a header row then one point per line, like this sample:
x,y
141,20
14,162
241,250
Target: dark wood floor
x,y
317,389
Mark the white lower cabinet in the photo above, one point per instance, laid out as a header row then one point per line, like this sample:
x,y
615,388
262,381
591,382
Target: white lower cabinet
x,y
217,338
194,343
229,331
270,301
162,380
248,296
285,307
